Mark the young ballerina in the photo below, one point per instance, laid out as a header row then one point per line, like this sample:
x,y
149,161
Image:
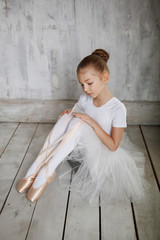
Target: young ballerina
x,y
91,133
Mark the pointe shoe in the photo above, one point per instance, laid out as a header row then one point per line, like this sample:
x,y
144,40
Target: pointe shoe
x,y
34,193
25,183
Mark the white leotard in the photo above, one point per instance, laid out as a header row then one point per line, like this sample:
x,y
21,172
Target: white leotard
x,y
112,113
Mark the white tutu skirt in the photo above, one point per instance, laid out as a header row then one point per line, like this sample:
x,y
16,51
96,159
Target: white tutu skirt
x,y
97,171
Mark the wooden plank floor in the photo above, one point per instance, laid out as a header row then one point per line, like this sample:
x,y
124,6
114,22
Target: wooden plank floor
x,y
61,215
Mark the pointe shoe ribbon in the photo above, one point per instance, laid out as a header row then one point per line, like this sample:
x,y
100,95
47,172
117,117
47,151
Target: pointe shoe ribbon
x,y
45,159
64,139
25,183
34,193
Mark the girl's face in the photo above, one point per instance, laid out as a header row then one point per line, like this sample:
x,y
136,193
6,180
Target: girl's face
x,y
91,81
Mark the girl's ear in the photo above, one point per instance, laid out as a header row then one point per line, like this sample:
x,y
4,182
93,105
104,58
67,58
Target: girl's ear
x,y
105,76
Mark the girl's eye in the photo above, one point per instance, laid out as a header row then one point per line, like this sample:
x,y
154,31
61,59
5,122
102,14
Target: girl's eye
x,y
88,84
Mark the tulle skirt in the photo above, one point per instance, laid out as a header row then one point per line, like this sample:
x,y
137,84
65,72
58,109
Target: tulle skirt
x,y
97,171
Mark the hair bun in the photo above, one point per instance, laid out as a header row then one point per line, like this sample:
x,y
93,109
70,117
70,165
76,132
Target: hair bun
x,y
102,53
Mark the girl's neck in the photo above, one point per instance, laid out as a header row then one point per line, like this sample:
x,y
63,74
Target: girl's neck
x,y
103,97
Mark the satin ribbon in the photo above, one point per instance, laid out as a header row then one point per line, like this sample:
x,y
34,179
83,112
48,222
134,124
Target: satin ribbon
x,y
64,139
48,150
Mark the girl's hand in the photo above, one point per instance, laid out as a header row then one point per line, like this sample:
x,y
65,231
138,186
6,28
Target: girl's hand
x,y
85,118
66,111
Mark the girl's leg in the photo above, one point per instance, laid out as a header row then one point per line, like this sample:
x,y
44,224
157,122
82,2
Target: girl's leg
x,y
48,147
65,147
57,131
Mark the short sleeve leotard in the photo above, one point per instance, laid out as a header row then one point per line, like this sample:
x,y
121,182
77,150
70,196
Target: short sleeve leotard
x,y
111,114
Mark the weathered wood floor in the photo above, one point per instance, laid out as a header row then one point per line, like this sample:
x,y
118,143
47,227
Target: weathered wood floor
x,y
59,214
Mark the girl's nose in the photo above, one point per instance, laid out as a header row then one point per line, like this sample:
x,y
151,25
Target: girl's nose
x,y
85,88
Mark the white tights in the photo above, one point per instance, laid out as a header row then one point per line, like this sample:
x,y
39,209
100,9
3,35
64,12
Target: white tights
x,y
62,149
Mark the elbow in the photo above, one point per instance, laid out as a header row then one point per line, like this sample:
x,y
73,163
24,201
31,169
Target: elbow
x,y
114,148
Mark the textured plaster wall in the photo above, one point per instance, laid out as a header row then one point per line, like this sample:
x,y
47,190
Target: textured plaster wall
x,y
42,42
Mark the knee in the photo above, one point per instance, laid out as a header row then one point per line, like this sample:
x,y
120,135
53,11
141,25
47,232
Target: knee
x,y
66,117
74,121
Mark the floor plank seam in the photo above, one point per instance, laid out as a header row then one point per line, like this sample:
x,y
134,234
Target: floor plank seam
x,y
9,139
150,159
27,148
134,220
65,219
100,230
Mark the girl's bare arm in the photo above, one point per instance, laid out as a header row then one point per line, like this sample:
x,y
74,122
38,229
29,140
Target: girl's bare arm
x,y
113,141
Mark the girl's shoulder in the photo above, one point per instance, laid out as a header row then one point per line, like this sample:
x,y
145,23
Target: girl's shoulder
x,y
119,114
119,104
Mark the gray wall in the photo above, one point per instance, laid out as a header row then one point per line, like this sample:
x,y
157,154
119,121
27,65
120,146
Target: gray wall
x,y
42,42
